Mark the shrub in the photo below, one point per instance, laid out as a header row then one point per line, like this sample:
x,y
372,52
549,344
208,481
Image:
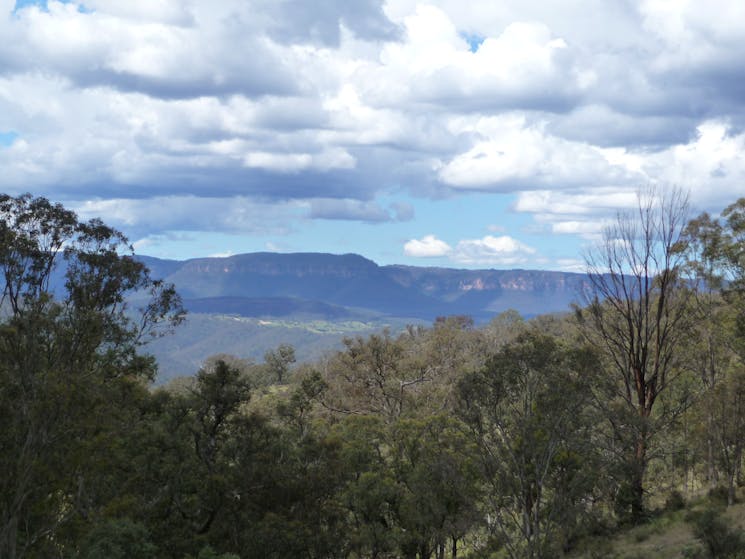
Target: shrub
x,y
118,539
675,501
719,494
719,539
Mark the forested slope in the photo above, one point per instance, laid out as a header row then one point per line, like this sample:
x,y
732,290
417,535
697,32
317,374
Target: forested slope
x,y
516,438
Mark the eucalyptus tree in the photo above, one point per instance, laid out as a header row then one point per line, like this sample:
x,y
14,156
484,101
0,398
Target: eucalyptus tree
x,y
376,375
638,312
709,351
716,263
278,361
527,413
67,337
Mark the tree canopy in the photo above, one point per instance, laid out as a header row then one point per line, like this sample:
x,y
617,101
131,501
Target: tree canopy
x,y
517,438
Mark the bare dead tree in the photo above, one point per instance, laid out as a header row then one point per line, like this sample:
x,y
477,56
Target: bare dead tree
x,y
636,310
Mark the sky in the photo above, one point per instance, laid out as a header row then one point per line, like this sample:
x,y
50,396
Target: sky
x,y
459,133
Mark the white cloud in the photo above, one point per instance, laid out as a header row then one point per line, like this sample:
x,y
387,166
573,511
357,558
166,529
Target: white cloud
x,y
572,265
694,32
587,229
161,11
487,251
297,110
712,165
490,250
515,67
428,246
584,203
296,162
514,154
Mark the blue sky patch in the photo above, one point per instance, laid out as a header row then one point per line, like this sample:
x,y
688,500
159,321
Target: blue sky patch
x,y
7,138
20,4
474,41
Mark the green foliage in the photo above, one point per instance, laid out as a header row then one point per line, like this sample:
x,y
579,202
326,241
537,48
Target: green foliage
x,y
510,440
64,357
209,553
279,360
720,541
525,411
675,501
118,539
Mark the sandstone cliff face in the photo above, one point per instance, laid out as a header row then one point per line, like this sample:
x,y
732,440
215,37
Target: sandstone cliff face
x,y
355,282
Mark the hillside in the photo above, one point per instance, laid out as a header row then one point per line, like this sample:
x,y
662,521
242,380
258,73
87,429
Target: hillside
x,y
282,298
668,534
205,334
324,285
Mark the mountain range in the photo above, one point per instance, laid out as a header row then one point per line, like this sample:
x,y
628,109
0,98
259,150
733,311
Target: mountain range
x,y
350,286
249,303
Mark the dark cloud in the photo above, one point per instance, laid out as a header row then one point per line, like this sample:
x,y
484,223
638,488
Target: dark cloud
x,y
256,78
601,126
355,210
319,21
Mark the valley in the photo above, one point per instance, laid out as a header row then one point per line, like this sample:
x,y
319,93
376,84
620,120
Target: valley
x,y
246,304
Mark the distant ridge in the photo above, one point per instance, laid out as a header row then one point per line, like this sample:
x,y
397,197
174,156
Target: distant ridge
x,y
247,304
335,286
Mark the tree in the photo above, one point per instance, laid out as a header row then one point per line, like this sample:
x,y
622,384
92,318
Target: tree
x,y
526,413
118,539
374,375
725,407
706,265
434,463
279,360
637,313
734,254
371,494
67,336
716,266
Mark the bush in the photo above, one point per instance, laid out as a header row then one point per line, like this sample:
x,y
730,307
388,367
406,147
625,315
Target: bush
x,y
719,539
118,539
694,552
675,501
719,494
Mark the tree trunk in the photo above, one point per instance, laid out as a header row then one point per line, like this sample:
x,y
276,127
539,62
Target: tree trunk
x,y
454,553
712,474
9,534
731,488
637,479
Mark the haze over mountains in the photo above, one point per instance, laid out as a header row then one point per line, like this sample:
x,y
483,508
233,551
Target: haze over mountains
x,y
332,286
248,303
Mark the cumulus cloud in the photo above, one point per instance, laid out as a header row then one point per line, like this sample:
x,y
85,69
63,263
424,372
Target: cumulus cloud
x,y
711,166
492,251
513,154
522,66
487,251
297,111
296,162
428,246
603,126
184,56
